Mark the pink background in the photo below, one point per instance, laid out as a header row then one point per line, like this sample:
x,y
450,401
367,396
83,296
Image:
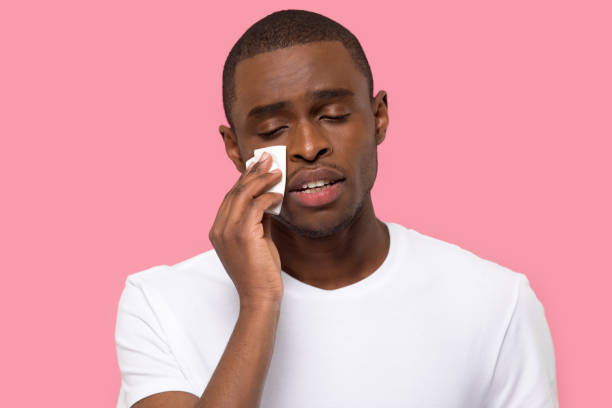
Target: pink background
x,y
111,162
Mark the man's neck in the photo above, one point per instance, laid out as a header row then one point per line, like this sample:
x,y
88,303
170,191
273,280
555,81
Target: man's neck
x,y
339,260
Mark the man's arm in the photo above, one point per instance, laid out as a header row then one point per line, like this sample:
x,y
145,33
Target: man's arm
x,y
242,240
240,375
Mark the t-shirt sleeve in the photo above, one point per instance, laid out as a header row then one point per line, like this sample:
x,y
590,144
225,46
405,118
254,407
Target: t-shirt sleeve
x,y
524,375
145,358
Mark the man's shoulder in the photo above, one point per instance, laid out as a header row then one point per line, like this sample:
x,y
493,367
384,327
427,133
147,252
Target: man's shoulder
x,y
456,260
457,271
465,289
191,272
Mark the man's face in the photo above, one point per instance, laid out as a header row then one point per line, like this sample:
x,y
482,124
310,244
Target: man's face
x,y
312,99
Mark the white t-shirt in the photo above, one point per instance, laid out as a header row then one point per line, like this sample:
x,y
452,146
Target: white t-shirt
x,y
433,326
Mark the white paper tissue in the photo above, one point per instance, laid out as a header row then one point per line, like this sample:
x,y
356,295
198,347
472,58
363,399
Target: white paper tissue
x,y
279,161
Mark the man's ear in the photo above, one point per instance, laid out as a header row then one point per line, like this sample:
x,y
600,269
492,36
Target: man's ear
x,y
381,115
231,147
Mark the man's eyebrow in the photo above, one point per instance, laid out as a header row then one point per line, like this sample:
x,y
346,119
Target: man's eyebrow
x,y
264,109
331,93
321,94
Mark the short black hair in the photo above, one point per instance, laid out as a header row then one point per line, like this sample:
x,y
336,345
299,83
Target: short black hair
x,y
284,29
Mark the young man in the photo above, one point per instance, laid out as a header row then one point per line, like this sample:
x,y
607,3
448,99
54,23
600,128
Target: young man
x,y
323,305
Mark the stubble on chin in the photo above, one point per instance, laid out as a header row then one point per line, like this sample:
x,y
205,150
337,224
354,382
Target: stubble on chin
x,y
325,231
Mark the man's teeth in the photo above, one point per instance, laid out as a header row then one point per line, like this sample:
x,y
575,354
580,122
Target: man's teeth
x,y
315,186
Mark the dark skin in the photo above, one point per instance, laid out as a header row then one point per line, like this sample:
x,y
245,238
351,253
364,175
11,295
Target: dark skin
x,y
328,247
355,241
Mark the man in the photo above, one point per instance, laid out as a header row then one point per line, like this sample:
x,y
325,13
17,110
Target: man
x,y
323,305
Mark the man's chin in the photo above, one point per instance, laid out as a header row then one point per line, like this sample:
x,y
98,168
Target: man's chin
x,y
317,228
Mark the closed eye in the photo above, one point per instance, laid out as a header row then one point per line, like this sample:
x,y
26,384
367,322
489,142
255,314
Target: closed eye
x,y
335,118
272,132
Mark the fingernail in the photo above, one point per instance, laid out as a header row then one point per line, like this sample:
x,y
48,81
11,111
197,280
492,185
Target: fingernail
x,y
264,156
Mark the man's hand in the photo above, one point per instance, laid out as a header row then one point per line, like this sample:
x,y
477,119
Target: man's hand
x,y
241,235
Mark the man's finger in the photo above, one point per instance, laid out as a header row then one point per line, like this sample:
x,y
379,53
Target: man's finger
x,y
267,225
261,166
256,211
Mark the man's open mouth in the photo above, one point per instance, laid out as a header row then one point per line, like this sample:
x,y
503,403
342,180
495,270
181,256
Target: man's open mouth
x,y
316,186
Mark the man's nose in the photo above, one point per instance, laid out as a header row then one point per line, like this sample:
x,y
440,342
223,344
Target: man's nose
x,y
307,142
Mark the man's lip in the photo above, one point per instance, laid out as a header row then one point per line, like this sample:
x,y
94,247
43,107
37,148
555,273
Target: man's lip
x,y
306,176
319,197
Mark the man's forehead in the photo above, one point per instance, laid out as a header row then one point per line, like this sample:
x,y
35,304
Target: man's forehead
x,y
293,72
